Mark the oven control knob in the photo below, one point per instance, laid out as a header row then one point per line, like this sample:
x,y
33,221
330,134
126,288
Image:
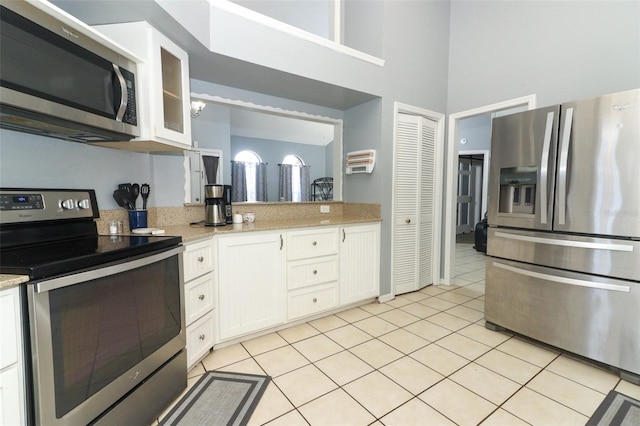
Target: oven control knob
x,y
84,204
67,204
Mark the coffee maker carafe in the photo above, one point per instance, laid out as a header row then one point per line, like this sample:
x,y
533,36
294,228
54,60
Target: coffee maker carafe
x,y
215,205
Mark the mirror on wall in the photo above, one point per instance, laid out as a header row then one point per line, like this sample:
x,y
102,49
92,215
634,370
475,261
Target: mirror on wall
x,y
235,129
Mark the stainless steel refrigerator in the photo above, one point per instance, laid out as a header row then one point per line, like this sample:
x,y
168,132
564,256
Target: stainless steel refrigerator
x,y
564,228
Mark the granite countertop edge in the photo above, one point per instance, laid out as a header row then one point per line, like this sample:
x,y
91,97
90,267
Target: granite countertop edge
x,y
191,233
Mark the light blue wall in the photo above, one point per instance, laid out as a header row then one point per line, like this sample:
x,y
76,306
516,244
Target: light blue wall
x,y
477,131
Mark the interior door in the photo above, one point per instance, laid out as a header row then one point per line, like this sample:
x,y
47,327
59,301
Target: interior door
x,y
466,189
413,203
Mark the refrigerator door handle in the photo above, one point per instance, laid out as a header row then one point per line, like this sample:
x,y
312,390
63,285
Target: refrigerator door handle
x,y
544,169
566,243
562,169
564,280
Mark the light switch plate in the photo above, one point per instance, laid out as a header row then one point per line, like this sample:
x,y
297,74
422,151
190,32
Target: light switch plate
x,y
325,209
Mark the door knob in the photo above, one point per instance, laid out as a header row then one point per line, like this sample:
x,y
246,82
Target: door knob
x,y
407,221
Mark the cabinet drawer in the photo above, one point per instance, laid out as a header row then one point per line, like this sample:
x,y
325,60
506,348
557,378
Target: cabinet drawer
x,y
198,259
198,297
302,273
306,244
312,300
200,338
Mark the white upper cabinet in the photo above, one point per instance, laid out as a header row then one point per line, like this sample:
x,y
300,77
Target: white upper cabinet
x,y
162,85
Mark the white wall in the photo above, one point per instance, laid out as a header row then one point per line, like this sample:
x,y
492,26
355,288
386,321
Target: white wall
x,y
559,50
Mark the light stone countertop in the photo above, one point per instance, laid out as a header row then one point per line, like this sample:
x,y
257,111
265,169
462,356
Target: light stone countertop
x,y
8,281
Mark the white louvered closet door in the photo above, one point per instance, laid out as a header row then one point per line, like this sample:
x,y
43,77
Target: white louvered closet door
x,y
413,203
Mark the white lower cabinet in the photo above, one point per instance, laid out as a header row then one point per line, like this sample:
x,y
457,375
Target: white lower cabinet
x,y
359,262
199,299
12,407
312,300
251,282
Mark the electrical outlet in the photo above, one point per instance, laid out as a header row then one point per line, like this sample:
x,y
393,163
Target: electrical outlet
x,y
325,209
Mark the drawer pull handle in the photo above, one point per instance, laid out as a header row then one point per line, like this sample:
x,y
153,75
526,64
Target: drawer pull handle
x,y
201,337
315,243
315,272
201,297
200,258
315,299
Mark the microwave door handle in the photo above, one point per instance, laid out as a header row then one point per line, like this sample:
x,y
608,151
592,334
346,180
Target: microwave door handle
x,y
562,169
124,98
544,168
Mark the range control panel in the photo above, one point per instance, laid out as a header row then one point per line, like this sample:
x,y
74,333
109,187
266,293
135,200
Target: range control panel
x,y
33,205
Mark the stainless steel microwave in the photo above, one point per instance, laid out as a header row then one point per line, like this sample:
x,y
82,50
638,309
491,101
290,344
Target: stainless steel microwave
x,y
59,80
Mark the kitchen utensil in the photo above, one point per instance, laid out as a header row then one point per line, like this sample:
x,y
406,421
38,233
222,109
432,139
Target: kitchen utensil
x,y
145,190
117,195
135,190
122,198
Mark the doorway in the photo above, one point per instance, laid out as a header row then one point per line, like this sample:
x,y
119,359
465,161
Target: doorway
x,y
451,204
471,199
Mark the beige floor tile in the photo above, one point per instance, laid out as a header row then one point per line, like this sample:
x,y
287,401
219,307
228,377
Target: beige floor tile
x,y
472,290
428,330
304,384
264,343
398,302
567,392
336,408
376,308
439,359
449,398
353,315
196,371
454,297
438,304
317,347
344,367
629,389
348,336
432,290
327,323
536,409
298,332
414,296
375,326
489,385
376,353
501,417
225,356
415,413
292,418
463,346
528,351
411,375
398,317
465,313
508,366
377,393
476,304
579,371
419,310
247,366
281,361
272,404
448,321
403,341
481,334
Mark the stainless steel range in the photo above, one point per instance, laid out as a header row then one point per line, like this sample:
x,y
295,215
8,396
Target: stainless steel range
x,y
105,330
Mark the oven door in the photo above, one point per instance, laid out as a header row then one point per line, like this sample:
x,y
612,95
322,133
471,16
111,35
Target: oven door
x,y
98,334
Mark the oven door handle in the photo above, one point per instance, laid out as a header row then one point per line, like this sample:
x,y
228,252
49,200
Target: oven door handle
x,y
102,272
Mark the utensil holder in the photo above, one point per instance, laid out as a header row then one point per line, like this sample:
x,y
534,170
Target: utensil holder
x,y
137,219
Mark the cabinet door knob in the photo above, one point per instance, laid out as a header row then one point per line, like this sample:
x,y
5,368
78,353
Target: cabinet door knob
x,y
201,337
315,271
315,299
315,243
201,297
200,258
407,221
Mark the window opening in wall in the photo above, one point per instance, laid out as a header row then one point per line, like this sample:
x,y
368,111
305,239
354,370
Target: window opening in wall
x,y
251,161
296,184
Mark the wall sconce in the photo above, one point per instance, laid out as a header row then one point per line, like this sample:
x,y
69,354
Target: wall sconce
x,y
196,108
